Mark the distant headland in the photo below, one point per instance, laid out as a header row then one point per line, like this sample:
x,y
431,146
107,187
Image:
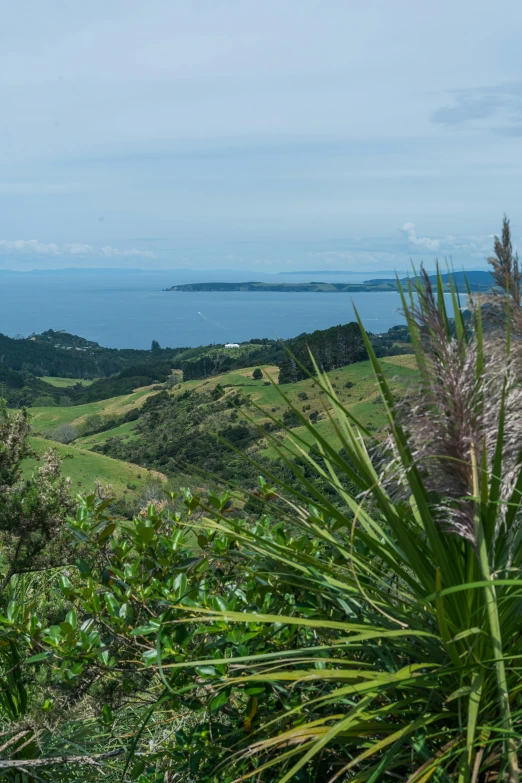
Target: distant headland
x,y
462,281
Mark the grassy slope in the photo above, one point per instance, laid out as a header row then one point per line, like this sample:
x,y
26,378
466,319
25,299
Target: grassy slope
x,y
362,399
47,418
85,467
64,383
358,397
125,431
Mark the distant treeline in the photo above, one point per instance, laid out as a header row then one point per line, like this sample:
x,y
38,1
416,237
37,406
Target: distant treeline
x,y
59,354
334,347
120,371
65,355
204,362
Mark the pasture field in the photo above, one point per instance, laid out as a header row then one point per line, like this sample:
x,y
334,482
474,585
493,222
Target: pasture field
x,y
64,383
85,467
48,418
354,385
125,431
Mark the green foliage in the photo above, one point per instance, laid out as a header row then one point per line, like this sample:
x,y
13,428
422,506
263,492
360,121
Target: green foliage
x,y
64,355
33,509
337,640
333,348
357,620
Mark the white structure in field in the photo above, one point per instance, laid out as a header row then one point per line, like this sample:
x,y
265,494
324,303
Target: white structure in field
x,y
232,345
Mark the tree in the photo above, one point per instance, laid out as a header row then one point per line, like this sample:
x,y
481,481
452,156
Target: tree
x,y
65,433
289,372
257,374
33,510
155,346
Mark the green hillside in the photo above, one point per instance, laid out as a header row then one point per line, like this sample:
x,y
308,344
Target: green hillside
x,y
182,431
85,467
47,418
125,431
360,396
65,383
179,431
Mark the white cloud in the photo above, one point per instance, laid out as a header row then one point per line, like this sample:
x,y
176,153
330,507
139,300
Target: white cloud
x,y
430,244
112,252
29,246
77,249
33,247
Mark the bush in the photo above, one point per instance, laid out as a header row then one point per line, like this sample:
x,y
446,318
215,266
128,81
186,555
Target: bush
x,y
44,401
257,374
65,433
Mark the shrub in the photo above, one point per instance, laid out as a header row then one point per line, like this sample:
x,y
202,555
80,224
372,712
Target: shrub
x,y
44,401
65,433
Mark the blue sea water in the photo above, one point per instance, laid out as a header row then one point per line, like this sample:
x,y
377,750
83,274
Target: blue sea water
x,y
129,310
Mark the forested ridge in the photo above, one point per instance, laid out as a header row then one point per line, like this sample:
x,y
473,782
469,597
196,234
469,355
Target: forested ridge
x,y
23,362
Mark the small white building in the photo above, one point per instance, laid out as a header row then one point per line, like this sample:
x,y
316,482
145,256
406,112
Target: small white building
x,y
232,345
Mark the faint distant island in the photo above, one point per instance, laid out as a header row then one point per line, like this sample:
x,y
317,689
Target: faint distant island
x,y
464,281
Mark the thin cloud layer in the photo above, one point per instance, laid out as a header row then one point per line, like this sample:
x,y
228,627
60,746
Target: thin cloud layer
x,y
199,126
496,108
35,248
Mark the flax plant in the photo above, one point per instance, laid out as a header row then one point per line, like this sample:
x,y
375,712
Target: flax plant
x,y
412,638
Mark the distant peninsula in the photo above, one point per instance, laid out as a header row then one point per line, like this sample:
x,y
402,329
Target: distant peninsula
x,y
473,280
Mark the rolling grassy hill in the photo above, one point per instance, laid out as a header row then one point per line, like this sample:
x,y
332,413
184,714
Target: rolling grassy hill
x,y
84,468
363,399
354,384
48,418
177,430
126,431
199,408
65,383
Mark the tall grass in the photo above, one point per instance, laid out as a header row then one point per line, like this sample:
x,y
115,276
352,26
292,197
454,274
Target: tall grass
x,y
412,638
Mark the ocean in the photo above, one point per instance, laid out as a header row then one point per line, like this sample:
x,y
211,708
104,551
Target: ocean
x,y
130,309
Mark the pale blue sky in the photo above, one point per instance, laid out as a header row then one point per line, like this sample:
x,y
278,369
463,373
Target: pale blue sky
x,y
258,134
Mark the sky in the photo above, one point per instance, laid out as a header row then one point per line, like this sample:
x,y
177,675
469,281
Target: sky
x,y
258,134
